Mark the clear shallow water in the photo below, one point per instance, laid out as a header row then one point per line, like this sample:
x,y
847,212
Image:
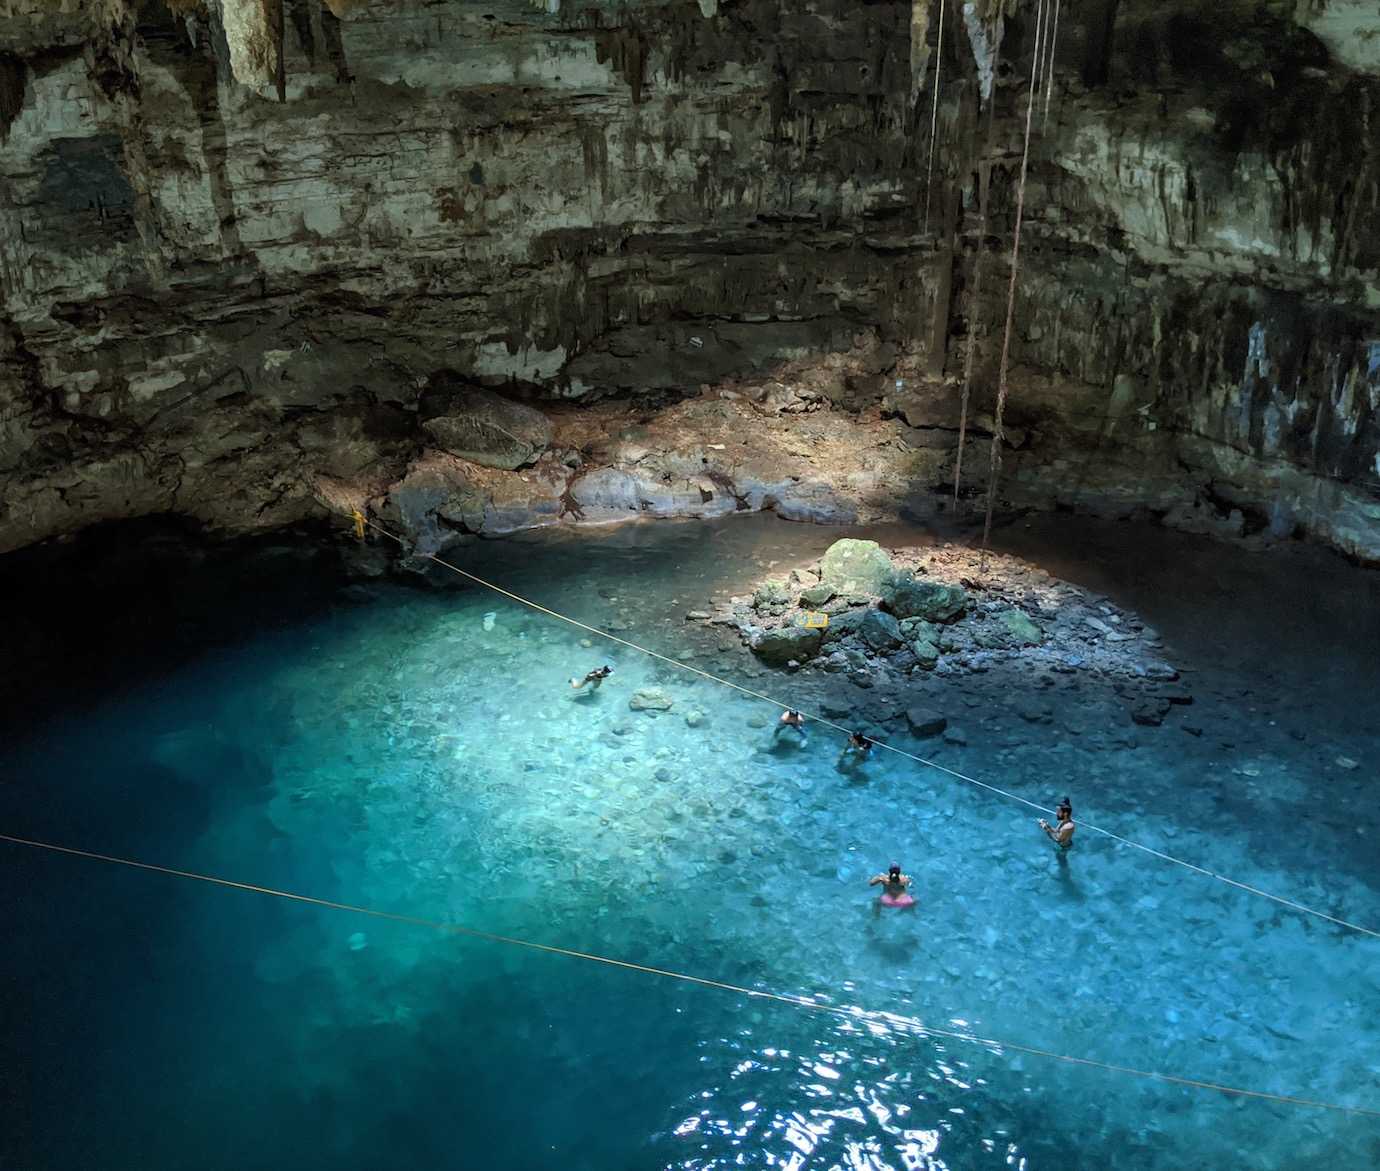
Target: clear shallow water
x,y
397,754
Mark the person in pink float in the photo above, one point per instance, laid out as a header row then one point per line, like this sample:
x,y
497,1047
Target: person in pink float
x,y
894,886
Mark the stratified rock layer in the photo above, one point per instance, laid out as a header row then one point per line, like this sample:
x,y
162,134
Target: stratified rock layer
x,y
238,255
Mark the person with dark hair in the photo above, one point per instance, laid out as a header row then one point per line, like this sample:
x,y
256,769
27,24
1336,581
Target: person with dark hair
x,y
894,886
857,751
594,678
1062,833
794,720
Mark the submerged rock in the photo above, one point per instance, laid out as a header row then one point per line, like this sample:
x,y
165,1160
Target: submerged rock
x,y
925,721
1150,711
910,597
778,647
856,567
650,699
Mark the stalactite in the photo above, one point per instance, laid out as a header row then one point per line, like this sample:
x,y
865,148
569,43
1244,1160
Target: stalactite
x,y
995,472
934,114
280,35
984,192
1100,23
14,76
1049,68
919,47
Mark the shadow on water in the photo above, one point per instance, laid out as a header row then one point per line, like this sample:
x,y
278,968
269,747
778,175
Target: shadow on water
x,y
96,616
361,1043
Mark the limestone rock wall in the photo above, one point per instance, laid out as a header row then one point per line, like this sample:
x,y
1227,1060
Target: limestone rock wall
x,y
244,242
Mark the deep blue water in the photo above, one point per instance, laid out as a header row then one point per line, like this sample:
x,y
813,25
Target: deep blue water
x,y
406,753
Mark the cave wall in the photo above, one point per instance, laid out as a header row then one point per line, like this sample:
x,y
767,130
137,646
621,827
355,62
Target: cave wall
x,y
240,239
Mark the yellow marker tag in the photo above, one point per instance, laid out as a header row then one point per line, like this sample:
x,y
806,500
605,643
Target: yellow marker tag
x,y
815,620
359,523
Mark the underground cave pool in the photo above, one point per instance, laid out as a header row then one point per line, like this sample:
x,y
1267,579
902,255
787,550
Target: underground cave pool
x,y
418,750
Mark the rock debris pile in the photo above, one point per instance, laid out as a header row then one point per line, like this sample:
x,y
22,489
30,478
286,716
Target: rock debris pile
x,y
892,618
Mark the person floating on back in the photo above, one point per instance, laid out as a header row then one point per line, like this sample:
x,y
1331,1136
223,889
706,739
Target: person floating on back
x,y
893,884
1062,833
792,719
594,678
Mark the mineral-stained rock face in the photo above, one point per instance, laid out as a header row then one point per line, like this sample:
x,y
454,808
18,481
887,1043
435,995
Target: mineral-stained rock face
x,y
488,429
244,244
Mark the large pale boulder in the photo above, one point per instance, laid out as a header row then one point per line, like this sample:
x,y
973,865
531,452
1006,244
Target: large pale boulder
x,y
488,429
856,567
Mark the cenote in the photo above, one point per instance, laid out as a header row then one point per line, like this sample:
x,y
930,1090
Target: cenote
x,y
926,410
419,751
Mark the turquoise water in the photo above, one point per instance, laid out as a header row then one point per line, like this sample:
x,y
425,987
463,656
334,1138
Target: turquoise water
x,y
403,752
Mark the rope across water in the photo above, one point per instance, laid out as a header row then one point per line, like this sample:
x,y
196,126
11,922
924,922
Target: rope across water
x,y
850,1013
964,777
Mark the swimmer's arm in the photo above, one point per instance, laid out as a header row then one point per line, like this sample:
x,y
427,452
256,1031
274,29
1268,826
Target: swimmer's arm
x,y
875,879
1061,834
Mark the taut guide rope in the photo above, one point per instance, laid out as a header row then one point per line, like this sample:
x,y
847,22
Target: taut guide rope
x,y
848,1013
934,115
1049,68
879,743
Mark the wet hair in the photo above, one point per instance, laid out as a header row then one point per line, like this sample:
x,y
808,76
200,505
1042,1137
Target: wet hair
x,y
894,871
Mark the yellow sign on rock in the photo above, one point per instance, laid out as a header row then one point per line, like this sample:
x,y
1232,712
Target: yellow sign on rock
x,y
814,620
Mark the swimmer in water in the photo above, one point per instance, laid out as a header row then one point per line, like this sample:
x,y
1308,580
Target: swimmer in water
x,y
857,751
594,678
894,886
792,719
1062,833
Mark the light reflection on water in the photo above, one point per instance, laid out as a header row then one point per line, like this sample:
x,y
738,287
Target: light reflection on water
x,y
409,757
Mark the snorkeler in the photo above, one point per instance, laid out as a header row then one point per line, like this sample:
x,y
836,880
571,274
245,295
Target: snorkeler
x,y
594,678
893,884
1062,834
791,718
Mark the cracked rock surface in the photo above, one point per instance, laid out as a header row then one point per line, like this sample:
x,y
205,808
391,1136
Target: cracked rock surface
x,y
243,266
